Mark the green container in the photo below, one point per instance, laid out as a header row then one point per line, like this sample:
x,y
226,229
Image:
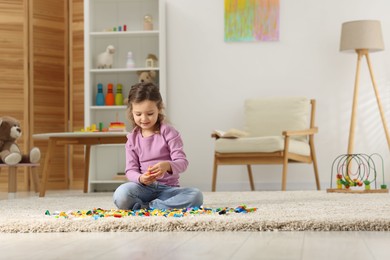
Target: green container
x,y
119,95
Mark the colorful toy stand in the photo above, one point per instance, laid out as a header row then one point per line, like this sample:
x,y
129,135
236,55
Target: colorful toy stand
x,y
357,173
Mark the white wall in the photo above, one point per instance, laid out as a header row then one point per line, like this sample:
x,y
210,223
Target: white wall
x,y
209,79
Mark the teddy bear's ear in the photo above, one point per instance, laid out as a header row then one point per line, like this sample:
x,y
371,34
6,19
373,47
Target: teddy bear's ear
x,y
152,73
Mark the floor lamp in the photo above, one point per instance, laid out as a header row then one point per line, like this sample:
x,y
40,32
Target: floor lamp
x,y
362,37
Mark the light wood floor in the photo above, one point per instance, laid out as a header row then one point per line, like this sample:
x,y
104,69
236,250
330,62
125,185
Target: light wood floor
x,y
196,245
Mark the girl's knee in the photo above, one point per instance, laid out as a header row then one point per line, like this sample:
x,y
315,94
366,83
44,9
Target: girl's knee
x,y
122,198
123,201
197,197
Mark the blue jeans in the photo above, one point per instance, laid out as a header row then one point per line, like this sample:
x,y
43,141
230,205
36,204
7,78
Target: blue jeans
x,y
132,195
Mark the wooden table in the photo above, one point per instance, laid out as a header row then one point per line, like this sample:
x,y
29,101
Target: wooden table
x,y
76,138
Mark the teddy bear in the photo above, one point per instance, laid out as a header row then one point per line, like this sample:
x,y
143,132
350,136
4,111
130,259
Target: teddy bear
x,y
147,76
10,153
144,76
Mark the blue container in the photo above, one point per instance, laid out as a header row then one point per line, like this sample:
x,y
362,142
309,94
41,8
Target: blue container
x,y
100,95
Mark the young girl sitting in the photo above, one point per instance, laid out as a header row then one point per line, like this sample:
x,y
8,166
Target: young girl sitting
x,y
154,157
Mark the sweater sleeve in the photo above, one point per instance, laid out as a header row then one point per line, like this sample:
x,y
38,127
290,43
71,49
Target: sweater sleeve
x,y
178,161
133,168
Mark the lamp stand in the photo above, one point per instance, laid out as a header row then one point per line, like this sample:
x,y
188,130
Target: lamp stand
x,y
361,53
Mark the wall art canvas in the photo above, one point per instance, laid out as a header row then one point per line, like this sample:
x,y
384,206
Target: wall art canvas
x,y
251,20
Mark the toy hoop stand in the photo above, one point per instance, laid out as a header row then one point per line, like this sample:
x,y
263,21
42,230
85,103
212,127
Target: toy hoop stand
x,y
357,173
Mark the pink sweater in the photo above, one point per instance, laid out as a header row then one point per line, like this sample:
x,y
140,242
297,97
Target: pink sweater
x,y
144,152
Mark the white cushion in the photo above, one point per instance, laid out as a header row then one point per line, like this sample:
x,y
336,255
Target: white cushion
x,y
272,116
260,144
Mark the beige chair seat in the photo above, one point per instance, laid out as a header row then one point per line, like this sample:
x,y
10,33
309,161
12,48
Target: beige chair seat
x,y
266,144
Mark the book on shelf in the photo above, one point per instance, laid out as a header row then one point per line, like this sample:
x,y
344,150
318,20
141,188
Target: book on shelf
x,y
231,133
120,176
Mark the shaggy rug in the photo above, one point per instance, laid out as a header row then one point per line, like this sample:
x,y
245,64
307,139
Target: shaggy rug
x,y
276,211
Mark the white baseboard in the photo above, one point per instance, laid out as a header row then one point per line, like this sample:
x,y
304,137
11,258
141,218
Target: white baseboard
x,y
260,186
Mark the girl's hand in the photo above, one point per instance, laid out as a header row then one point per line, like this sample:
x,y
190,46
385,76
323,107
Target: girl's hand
x,y
159,169
147,178
154,172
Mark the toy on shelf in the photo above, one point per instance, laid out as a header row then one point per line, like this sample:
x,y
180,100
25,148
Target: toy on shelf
x,y
100,95
120,176
106,59
147,76
144,76
117,126
119,95
93,128
130,60
113,127
151,61
114,29
148,23
110,99
355,171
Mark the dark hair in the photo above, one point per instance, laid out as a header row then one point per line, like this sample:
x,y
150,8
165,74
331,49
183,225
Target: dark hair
x,y
141,92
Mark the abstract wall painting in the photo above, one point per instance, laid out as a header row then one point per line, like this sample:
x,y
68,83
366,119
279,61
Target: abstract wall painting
x,y
251,20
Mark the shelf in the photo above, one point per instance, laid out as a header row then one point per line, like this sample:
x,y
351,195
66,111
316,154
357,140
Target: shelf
x,y
108,107
107,160
110,145
106,181
122,70
124,34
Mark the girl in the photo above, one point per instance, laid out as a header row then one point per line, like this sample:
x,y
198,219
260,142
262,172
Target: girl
x,y
154,157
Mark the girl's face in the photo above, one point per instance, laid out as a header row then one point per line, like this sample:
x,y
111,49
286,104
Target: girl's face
x,y
145,115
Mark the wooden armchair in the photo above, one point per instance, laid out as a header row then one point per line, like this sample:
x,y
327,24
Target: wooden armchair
x,y
280,131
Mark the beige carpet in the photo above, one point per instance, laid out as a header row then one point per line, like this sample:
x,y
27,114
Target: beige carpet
x,y
277,211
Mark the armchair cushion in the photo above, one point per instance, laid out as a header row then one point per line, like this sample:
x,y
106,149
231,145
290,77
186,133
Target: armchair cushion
x,y
272,116
266,144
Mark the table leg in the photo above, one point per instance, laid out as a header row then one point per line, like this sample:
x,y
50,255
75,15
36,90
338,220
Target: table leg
x,y
12,182
46,167
86,167
35,178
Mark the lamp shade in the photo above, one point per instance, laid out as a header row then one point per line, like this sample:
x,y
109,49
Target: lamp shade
x,y
365,34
